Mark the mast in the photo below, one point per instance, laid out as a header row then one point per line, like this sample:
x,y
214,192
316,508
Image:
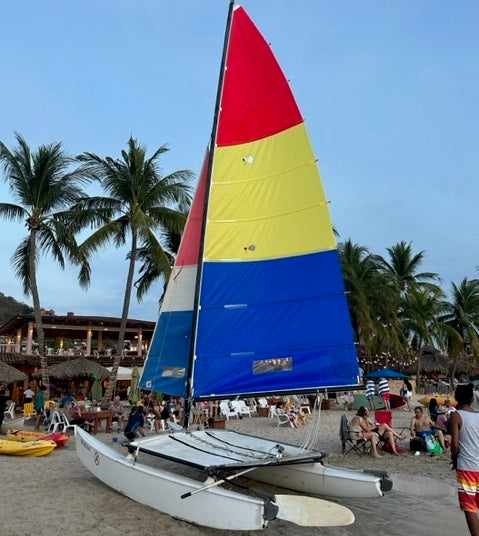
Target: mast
x,y
191,363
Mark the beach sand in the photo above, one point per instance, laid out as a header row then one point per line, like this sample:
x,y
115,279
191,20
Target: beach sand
x,y
55,493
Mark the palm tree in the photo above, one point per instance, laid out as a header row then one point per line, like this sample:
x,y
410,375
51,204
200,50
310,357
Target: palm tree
x,y
463,318
422,310
372,299
141,202
44,188
404,265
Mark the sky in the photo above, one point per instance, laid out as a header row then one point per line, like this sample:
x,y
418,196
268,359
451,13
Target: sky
x,y
389,91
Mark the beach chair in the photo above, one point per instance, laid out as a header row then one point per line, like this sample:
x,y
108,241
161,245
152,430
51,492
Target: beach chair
x,y
28,410
241,407
10,411
348,442
54,423
281,417
227,410
383,416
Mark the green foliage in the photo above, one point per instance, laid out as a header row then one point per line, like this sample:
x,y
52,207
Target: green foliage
x,y
9,307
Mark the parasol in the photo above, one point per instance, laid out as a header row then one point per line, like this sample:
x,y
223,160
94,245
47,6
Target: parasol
x,y
134,395
96,388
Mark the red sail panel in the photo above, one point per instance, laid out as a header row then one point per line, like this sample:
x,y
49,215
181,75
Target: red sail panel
x,y
189,250
257,101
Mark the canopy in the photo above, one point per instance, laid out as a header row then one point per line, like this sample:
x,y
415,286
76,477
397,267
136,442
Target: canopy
x,y
125,373
386,373
9,374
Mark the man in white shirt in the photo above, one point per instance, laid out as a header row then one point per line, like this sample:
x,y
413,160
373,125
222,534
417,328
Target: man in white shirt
x,y
28,395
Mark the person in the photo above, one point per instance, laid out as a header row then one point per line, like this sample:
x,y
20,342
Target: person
x,y
433,408
28,395
423,426
3,405
407,394
475,402
348,400
465,455
160,412
135,425
385,393
443,420
360,422
116,408
66,399
39,407
75,413
370,393
447,406
281,407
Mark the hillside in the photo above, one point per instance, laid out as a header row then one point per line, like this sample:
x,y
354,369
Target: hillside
x,y
9,307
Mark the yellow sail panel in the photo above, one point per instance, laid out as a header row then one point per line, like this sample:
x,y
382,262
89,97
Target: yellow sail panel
x,y
267,201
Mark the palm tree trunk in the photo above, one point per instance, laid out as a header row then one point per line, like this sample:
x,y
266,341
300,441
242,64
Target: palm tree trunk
x,y
37,312
124,319
418,366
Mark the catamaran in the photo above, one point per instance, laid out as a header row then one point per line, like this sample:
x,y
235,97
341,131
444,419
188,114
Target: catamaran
x,y
255,306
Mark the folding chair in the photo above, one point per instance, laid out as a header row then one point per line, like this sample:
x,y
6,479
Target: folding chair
x,y
349,443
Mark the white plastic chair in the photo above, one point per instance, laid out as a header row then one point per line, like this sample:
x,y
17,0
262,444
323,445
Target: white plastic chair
x,y
10,411
241,407
55,422
228,411
281,417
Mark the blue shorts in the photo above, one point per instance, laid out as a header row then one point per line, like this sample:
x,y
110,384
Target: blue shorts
x,y
425,433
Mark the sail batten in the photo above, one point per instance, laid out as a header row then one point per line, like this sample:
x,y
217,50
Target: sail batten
x,y
270,313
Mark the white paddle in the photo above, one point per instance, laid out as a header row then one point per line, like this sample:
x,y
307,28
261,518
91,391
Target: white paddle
x,y
312,512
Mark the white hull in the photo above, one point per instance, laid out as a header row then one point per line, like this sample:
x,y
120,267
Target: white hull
x,y
206,503
216,507
208,448
319,479
16,423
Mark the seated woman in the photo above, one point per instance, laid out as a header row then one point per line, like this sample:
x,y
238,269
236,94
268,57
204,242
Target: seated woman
x,y
384,431
281,407
433,408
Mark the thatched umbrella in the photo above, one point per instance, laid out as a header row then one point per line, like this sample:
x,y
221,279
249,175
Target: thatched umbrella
x,y
10,374
80,367
464,366
431,363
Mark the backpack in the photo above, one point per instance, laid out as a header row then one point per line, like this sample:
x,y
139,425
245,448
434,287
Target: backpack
x,y
418,444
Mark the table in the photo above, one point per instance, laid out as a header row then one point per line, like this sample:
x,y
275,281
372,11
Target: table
x,y
96,417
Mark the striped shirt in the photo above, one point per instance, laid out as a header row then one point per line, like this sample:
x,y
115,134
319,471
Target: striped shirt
x,y
383,386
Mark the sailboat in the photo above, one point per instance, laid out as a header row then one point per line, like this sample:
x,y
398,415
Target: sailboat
x,y
255,306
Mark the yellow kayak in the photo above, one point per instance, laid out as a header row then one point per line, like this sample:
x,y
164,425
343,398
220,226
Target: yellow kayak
x,y
24,436
440,400
31,448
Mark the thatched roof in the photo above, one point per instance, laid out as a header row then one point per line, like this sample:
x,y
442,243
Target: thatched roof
x,y
10,374
431,363
464,366
80,367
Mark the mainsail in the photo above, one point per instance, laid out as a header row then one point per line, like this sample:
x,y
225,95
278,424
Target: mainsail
x,y
255,303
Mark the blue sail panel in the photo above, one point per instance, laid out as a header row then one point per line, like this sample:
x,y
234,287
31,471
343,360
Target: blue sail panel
x,y
291,331
234,376
165,370
269,281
